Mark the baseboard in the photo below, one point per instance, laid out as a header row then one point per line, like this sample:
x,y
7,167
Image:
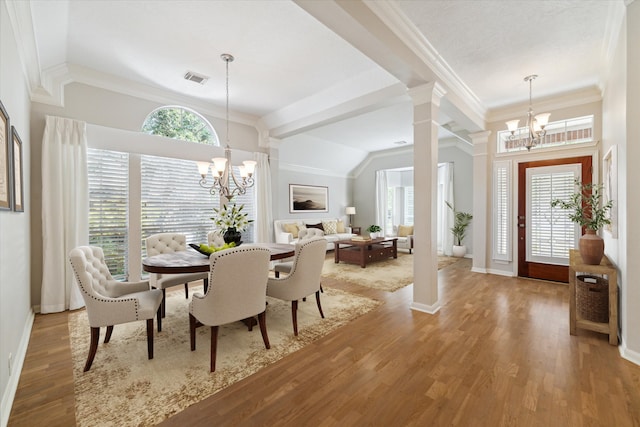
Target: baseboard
x,y
479,270
430,309
12,386
501,273
630,355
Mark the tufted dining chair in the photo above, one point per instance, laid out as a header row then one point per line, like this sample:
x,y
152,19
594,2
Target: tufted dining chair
x,y
304,278
215,238
304,235
237,291
164,243
109,302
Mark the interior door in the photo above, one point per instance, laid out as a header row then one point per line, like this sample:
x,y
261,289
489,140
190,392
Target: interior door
x,y
544,237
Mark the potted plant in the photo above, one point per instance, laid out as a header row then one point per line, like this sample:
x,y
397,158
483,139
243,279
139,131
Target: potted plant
x,y
460,223
374,230
588,211
231,221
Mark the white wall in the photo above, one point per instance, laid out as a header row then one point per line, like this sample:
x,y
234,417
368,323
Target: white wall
x,y
16,316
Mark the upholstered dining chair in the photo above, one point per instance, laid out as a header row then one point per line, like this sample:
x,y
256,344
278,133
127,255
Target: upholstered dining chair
x,y
237,291
304,235
109,302
304,278
164,243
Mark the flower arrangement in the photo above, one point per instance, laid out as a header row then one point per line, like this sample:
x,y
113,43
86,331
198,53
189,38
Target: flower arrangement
x,y
231,217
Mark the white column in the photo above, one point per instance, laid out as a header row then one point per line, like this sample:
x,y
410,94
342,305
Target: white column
x,y
426,106
482,192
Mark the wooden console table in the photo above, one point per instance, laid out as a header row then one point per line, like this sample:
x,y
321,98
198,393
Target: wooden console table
x,y
605,268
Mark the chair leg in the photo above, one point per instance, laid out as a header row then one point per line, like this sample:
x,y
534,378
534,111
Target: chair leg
x,y
164,306
206,285
192,331
214,347
262,319
186,290
294,316
277,274
150,338
319,306
107,337
95,337
159,316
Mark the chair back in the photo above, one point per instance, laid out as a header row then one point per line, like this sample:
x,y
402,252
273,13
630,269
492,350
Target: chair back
x,y
165,243
215,238
92,272
309,233
307,267
237,286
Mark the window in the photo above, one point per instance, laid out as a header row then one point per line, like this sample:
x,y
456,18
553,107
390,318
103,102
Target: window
x,y
180,123
399,199
574,131
108,207
502,211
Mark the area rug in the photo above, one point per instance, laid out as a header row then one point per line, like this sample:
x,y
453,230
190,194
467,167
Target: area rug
x,y
124,388
389,275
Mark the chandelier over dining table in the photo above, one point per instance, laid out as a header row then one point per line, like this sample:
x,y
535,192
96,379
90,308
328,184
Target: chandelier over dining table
x,y
222,170
535,128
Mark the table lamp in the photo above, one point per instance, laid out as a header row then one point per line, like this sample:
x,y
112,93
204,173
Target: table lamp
x,y
350,210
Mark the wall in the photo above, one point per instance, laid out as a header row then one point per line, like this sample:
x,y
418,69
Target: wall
x,y
16,316
110,109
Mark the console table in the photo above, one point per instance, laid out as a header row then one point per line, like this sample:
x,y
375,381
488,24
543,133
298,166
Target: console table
x,y
606,268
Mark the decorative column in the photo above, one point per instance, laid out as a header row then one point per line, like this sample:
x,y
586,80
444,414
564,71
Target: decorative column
x,y
482,191
426,106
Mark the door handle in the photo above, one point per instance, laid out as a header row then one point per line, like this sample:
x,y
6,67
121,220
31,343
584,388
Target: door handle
x,y
522,225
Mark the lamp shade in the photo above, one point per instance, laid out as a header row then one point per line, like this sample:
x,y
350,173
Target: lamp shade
x,y
351,210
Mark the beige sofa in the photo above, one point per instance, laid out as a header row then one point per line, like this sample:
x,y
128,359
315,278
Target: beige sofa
x,y
334,229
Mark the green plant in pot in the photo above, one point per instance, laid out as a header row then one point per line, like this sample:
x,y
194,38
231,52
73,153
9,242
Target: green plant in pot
x,y
231,221
374,231
588,211
461,221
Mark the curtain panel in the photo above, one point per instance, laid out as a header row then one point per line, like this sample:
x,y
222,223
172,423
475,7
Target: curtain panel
x,y
264,216
65,210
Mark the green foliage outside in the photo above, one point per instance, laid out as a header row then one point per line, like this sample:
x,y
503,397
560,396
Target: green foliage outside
x,y
178,123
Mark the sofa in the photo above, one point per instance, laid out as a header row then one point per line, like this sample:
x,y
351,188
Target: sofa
x,y
333,229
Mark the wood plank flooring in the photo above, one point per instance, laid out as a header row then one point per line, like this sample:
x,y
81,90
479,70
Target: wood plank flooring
x,y
498,353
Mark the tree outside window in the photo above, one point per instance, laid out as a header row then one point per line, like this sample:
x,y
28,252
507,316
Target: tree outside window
x,y
180,123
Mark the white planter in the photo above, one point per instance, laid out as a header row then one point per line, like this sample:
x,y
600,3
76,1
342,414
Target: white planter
x,y
459,251
373,235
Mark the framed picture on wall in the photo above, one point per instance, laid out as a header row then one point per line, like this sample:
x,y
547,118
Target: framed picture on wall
x,y
5,160
18,185
308,198
610,182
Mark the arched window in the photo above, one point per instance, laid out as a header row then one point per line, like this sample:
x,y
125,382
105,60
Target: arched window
x,y
180,123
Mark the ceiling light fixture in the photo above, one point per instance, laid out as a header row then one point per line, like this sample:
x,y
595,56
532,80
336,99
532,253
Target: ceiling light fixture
x,y
222,170
534,129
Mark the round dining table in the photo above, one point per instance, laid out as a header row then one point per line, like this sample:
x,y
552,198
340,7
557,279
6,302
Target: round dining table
x,y
190,261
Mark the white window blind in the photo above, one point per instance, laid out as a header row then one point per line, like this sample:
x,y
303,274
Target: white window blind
x,y
502,211
550,232
408,206
172,200
108,207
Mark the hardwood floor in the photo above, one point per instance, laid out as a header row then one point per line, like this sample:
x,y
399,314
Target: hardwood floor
x,y
498,353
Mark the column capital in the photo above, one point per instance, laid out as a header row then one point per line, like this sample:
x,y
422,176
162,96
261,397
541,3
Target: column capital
x,y
430,92
266,141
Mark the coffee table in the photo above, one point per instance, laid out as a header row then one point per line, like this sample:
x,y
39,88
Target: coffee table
x,y
364,252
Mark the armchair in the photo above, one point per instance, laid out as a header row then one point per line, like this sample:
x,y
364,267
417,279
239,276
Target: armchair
x,y
404,233
109,302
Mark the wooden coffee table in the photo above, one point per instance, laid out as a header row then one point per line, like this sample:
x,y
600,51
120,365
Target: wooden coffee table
x,y
364,252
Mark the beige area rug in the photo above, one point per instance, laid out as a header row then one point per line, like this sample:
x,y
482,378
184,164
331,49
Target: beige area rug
x,y
389,275
124,388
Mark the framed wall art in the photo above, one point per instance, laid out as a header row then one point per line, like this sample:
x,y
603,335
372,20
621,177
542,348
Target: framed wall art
x,y
18,185
610,184
308,198
5,160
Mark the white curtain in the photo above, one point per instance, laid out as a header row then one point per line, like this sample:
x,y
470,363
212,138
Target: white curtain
x,y
445,215
381,200
65,210
264,216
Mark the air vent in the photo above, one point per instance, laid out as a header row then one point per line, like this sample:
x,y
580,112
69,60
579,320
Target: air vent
x,y
195,77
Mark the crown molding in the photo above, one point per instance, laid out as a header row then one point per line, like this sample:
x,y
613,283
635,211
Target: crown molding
x,y
381,154
22,24
310,170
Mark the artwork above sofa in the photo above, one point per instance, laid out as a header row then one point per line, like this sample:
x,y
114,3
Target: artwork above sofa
x,y
334,229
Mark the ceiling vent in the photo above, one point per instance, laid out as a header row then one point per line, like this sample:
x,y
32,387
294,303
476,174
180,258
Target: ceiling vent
x,y
195,77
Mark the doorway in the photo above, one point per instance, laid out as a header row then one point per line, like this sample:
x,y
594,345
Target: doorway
x,y
544,235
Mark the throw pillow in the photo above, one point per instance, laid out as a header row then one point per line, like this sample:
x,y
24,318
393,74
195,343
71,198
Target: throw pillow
x,y
340,227
405,230
330,227
291,228
318,226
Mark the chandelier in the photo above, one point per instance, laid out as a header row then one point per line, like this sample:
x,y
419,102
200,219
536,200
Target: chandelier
x,y
222,171
535,124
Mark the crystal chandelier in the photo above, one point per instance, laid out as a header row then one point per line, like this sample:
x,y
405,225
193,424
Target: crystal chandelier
x,y
222,171
535,124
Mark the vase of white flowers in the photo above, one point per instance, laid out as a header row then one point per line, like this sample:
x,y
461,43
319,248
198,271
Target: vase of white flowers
x,y
231,221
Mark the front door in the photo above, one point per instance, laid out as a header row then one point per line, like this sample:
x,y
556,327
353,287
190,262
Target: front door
x,y
545,235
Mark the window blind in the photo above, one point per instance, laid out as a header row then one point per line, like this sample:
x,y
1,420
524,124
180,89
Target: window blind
x,y
502,211
108,206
